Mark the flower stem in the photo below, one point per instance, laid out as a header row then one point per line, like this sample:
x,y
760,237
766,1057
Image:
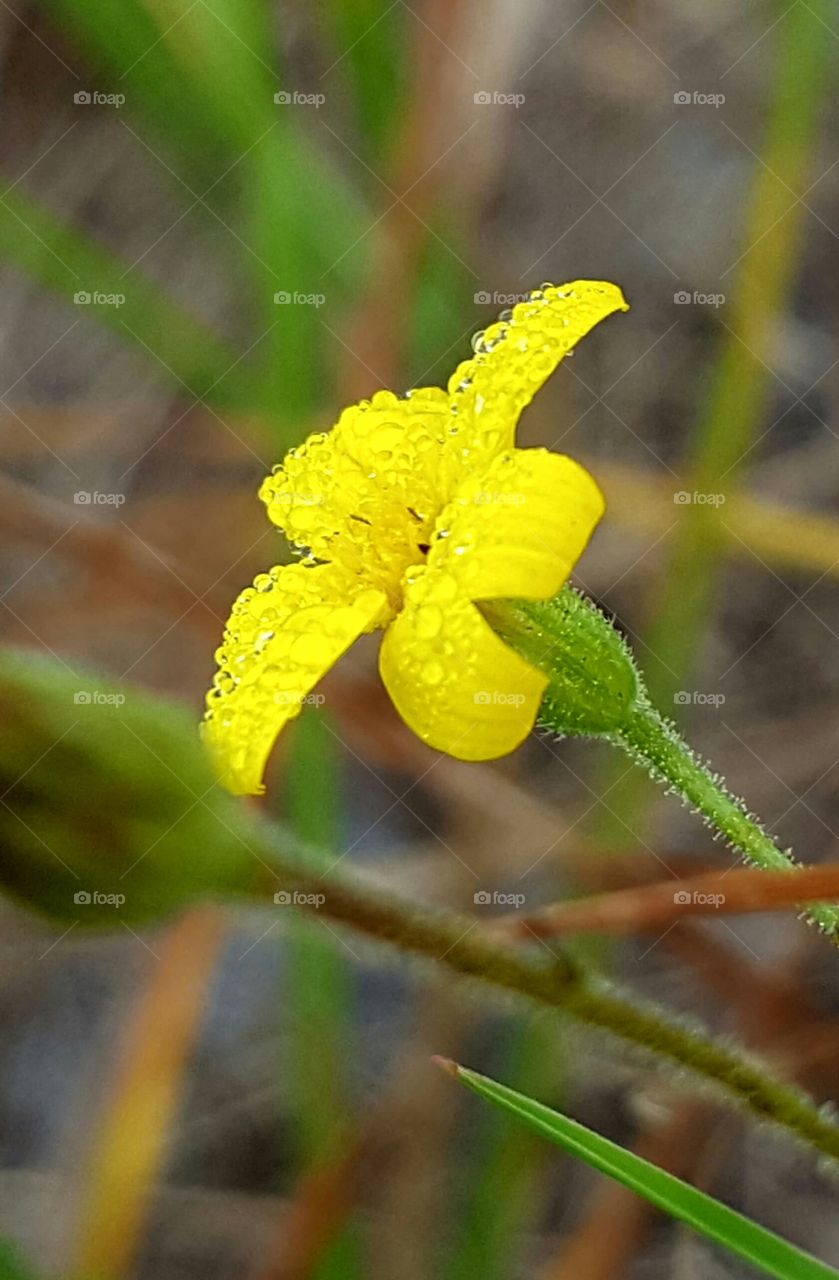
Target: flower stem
x,y
545,976
654,743
595,690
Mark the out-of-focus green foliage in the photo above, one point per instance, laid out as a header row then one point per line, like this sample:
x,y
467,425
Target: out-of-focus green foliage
x,y
11,1264
369,40
319,1049
110,812
59,258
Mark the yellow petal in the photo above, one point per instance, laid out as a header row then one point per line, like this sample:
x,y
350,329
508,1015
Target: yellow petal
x,y
283,634
451,678
514,357
366,494
518,527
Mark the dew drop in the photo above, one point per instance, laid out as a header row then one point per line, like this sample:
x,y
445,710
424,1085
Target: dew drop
x,y
429,622
432,672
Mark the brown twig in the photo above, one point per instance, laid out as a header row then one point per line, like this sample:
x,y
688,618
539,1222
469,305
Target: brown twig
x,y
655,906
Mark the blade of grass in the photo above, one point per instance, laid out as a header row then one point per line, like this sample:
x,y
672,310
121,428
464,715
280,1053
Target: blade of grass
x,y
321,1031
735,1232
505,1195
12,1266
67,261
784,538
229,44
742,374
300,213
120,43
368,40
741,377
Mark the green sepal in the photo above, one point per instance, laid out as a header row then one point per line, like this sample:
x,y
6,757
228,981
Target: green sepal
x,y
594,683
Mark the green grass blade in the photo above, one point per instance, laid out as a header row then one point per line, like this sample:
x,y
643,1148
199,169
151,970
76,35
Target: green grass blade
x,y
733,413
507,1187
122,44
369,44
321,1032
12,1266
762,1248
739,384
203,87
68,262
216,69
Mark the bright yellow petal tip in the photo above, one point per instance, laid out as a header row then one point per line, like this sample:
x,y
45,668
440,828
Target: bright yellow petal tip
x,y
408,512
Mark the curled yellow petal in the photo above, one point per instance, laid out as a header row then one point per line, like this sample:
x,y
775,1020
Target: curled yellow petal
x,y
518,527
283,634
514,357
452,680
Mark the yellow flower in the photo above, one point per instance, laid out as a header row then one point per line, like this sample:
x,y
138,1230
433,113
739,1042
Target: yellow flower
x,y
409,513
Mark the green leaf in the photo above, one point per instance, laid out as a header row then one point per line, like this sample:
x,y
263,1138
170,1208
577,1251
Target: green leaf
x,y
709,1217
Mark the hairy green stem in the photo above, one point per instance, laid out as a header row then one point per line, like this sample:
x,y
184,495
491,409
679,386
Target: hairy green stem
x,y
550,979
595,690
654,743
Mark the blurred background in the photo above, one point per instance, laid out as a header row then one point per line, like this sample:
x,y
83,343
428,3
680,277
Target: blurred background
x,y
223,220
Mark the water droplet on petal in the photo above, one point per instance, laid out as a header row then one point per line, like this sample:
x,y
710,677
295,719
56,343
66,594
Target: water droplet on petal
x,y
429,622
